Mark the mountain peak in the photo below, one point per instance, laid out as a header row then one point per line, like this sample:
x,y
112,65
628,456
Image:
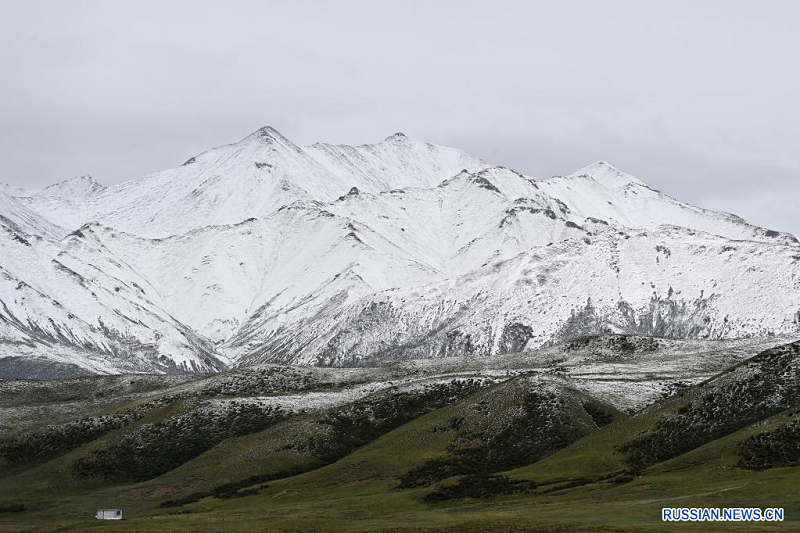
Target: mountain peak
x,y
267,130
75,188
396,137
267,134
608,175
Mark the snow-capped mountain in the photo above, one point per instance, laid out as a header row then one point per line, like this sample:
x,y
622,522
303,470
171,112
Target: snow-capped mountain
x,y
251,178
606,193
70,302
266,251
668,282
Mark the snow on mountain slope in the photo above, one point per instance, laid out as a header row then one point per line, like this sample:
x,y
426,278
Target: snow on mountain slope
x,y
396,162
254,177
72,302
287,286
64,202
17,217
666,281
467,221
310,254
474,218
264,251
265,170
602,191
212,279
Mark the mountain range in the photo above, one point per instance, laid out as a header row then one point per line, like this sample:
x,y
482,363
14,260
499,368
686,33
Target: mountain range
x,y
266,251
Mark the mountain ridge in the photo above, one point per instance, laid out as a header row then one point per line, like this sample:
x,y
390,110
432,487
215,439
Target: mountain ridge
x,y
253,177
480,261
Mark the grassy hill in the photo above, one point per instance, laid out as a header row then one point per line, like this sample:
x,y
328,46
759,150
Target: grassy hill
x,y
544,441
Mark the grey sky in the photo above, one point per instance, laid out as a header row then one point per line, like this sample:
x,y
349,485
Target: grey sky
x,y
699,99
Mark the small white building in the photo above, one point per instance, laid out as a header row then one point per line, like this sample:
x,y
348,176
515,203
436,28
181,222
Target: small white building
x,y
109,514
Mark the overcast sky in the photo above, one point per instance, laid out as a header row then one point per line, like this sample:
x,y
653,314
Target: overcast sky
x,y
699,99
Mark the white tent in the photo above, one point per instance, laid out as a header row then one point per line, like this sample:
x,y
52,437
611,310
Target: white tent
x,y
109,514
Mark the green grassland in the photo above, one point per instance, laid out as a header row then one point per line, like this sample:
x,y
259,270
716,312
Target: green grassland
x,y
529,453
